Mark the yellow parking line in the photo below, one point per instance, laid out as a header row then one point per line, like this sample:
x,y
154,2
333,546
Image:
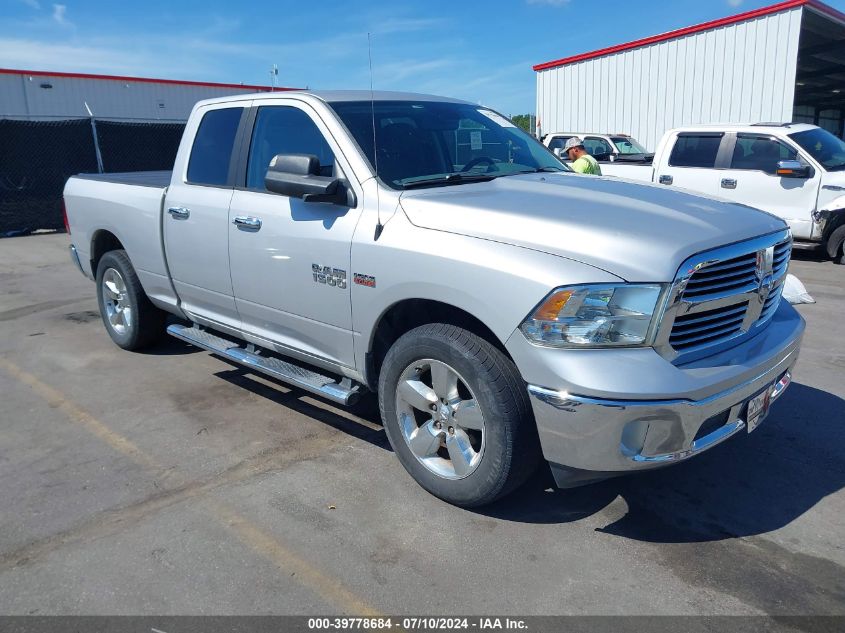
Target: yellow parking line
x,y
59,401
266,545
329,588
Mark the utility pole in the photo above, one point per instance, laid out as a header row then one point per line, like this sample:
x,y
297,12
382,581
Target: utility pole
x,y
97,152
274,73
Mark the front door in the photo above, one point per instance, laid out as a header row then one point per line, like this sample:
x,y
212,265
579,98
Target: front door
x,y
290,260
751,178
598,148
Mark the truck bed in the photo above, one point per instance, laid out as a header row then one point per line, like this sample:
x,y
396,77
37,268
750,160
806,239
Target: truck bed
x,y
157,179
128,206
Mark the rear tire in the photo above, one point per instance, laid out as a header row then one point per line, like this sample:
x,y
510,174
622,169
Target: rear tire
x,y
457,414
131,319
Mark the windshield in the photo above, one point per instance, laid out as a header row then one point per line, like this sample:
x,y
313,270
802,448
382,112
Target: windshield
x,y
823,146
430,143
627,145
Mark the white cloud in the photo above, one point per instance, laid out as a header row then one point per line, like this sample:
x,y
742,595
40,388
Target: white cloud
x,y
163,56
403,69
33,4
43,55
550,3
735,3
405,25
60,13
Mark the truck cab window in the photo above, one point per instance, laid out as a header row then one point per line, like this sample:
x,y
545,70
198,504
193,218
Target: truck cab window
x,y
558,142
695,150
627,145
211,153
596,146
284,130
760,153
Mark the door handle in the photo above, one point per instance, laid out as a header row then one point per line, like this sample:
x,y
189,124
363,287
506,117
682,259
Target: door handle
x,y
179,213
247,223
665,180
728,183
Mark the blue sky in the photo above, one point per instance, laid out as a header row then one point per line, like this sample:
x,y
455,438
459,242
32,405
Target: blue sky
x,y
479,51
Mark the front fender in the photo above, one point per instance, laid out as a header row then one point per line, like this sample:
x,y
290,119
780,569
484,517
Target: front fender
x,y
827,219
497,283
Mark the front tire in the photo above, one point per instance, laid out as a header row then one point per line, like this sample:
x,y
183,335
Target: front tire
x,y
131,319
456,412
836,245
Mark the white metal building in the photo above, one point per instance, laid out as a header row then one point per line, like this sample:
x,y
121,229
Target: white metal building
x,y
784,62
43,96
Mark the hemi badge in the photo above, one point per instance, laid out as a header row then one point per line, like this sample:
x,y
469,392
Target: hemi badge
x,y
365,280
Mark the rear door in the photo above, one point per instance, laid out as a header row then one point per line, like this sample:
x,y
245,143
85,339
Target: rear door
x,y
692,162
291,265
196,216
751,178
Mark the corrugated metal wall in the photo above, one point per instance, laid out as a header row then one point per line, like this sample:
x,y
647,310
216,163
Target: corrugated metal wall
x,y
23,97
741,73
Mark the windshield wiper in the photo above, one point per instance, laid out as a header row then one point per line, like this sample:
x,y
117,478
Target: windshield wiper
x,y
451,179
539,170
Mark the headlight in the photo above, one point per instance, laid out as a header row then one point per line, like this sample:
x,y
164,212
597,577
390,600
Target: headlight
x,y
594,316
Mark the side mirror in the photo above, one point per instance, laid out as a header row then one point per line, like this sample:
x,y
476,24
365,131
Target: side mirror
x,y
298,176
793,169
559,152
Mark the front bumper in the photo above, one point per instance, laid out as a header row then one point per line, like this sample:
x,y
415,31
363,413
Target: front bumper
x,y
602,413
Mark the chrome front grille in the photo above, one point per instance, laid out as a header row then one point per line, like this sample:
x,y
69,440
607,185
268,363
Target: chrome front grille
x,y
700,328
727,277
723,295
781,258
780,264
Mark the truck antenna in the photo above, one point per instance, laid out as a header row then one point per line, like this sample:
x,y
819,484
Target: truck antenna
x,y
379,225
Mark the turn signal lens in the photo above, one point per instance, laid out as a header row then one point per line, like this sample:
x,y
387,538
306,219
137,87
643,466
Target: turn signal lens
x,y
553,305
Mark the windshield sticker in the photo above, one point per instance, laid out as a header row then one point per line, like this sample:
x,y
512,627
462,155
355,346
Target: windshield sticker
x,y
475,139
496,118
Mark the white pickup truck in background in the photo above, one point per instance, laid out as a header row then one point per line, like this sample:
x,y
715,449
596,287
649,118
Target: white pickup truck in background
x,y
603,147
795,171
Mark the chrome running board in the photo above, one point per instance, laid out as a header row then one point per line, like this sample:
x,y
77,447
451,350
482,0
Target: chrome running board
x,y
341,390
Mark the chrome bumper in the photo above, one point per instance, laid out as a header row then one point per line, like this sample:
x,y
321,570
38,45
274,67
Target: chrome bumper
x,y
587,438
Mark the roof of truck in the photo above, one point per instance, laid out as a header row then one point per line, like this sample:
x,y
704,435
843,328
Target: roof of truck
x,y
587,134
751,128
330,96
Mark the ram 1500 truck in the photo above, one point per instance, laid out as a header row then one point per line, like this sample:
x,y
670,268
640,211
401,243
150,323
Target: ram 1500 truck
x,y
505,310
794,170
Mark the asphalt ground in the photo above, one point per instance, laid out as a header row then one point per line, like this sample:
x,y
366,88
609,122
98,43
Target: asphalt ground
x,y
171,482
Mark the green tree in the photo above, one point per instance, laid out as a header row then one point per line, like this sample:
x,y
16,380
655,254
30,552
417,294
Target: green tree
x,y
523,121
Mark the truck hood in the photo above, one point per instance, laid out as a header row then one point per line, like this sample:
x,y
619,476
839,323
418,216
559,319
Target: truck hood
x,y
635,231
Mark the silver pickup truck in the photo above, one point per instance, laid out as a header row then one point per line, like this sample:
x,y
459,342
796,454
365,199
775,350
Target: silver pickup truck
x,y
505,310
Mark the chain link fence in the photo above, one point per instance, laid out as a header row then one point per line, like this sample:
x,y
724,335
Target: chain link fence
x,y
37,158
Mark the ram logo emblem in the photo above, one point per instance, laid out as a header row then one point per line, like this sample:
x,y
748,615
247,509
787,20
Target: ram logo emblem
x,y
330,276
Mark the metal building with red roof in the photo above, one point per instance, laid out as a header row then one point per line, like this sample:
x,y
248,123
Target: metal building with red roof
x,y
783,62
38,95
